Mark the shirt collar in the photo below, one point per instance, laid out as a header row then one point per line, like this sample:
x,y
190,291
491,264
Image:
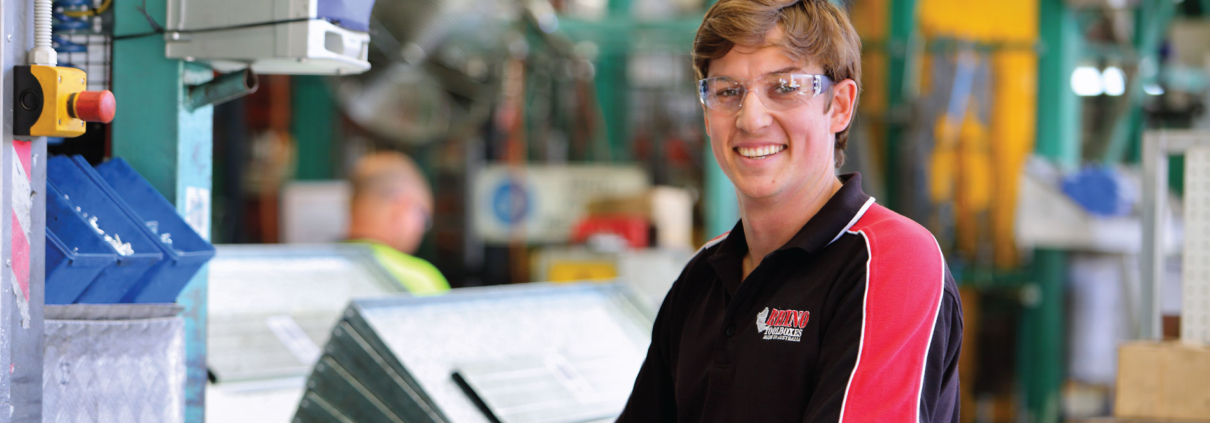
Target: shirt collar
x,y
829,223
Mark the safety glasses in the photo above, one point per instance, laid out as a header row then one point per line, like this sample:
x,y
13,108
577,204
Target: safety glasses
x,y
778,91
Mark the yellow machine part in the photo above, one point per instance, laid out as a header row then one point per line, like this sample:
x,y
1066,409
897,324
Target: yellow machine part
x,y
975,187
575,271
1013,131
943,163
1011,135
961,169
58,84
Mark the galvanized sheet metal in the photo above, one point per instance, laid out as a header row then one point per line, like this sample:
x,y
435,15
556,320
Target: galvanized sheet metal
x,y
119,371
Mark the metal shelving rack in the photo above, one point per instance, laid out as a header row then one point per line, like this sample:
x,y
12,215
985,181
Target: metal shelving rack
x,y
1195,315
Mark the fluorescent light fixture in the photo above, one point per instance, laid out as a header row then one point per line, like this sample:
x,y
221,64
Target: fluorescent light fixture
x,y
1086,82
1153,89
1114,81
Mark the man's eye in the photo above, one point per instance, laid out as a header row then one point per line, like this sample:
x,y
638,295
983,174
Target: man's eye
x,y
786,88
727,92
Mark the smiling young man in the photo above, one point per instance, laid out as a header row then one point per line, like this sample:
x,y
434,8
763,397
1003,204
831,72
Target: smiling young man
x,y
820,305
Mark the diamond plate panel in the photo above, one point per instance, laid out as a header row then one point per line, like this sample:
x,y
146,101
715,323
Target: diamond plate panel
x,y
114,371
1195,291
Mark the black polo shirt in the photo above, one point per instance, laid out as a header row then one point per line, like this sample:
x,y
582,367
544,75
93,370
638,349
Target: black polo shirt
x,y
855,319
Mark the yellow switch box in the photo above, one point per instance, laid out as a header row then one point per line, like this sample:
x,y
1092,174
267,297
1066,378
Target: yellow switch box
x,y
42,105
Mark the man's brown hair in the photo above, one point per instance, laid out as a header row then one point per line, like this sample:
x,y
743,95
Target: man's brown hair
x,y
813,30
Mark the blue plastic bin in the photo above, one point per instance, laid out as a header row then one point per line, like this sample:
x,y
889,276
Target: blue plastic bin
x,y
68,178
75,258
186,254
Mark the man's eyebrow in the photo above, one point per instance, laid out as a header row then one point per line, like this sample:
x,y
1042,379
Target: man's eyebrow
x,y
791,69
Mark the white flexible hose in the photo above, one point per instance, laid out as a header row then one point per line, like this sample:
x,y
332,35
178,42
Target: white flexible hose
x,y
42,23
42,30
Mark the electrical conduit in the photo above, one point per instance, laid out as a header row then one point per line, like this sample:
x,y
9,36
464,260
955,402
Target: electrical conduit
x,y
42,54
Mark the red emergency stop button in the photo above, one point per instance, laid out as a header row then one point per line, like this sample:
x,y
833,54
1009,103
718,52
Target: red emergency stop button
x,y
93,106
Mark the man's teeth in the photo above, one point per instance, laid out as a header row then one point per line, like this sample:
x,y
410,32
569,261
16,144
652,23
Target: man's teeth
x,y
754,152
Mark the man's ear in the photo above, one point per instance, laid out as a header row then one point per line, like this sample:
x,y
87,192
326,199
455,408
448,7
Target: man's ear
x,y
844,100
706,117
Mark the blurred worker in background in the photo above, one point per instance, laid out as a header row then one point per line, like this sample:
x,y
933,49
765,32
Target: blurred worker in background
x,y
391,209
820,305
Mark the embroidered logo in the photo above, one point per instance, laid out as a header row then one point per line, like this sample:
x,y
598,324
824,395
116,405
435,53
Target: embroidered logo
x,y
782,325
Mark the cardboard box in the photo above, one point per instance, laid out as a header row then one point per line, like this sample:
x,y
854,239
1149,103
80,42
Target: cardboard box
x,y
1167,380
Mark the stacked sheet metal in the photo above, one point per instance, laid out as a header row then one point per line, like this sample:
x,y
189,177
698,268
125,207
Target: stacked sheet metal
x,y
535,353
272,306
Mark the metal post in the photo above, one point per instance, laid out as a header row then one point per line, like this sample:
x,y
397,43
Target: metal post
x,y
1152,24
170,145
1151,261
1059,133
313,126
903,28
722,206
1041,331
613,88
22,236
1041,343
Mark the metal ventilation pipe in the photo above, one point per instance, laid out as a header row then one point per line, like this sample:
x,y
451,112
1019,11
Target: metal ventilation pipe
x,y
225,88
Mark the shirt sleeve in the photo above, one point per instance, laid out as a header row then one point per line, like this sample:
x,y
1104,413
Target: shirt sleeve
x,y
652,399
940,394
894,361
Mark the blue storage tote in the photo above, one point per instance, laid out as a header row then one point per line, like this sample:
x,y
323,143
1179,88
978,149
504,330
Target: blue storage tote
x,y
185,252
114,282
75,253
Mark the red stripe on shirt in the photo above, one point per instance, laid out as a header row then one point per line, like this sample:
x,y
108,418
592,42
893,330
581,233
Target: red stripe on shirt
x,y
905,279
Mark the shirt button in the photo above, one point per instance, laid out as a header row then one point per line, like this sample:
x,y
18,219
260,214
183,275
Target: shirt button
x,y
730,331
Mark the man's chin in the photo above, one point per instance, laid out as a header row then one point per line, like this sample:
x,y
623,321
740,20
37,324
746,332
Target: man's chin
x,y
757,192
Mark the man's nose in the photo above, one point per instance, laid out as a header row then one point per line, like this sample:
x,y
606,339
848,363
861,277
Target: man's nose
x,y
752,115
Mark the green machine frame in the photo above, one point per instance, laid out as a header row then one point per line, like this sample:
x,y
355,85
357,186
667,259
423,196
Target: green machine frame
x,y
171,146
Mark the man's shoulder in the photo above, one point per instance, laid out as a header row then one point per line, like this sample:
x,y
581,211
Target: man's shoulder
x,y
712,245
417,275
698,269
895,230
901,250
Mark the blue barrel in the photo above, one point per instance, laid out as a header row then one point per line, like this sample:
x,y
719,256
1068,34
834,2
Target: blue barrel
x,y
68,177
185,252
75,253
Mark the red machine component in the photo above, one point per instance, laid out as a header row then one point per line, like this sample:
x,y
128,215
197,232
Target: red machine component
x,y
93,106
634,228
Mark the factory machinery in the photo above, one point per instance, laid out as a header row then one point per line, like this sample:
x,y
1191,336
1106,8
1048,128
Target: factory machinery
x,y
115,307
104,292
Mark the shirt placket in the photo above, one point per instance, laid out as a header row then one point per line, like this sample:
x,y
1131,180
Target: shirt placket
x,y
728,339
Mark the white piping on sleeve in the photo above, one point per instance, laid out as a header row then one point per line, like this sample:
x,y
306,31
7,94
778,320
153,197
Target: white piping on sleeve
x,y
852,222
936,315
713,242
864,302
